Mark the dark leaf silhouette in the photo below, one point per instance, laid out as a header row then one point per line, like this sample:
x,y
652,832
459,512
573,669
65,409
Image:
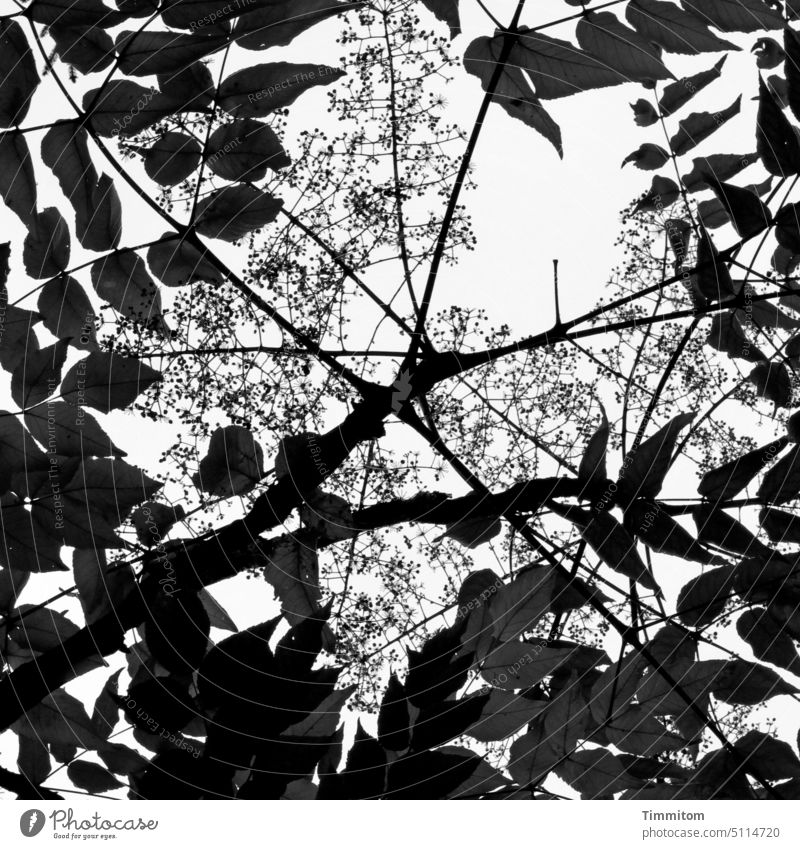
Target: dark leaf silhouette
x,y
676,30
513,91
234,211
107,381
257,91
17,179
737,15
777,144
678,94
18,73
700,125
621,48
172,158
747,211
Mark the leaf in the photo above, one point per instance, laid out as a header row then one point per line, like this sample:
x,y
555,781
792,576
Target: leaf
x,y
428,775
771,759
695,678
647,465
153,521
324,719
257,91
33,760
639,733
18,452
144,53
65,151
615,688
38,376
593,463
433,674
329,515
176,262
556,67
512,666
40,629
394,722
768,641
93,497
659,531
749,214
743,683
244,149
703,599
124,108
29,542
567,717
647,157
293,571
122,759
483,780
513,91
503,715
676,95
101,590
723,483
517,606
105,715
620,48
12,583
644,114
17,178
474,532
59,718
699,126
768,52
782,482
736,15
533,755
779,525
718,528
722,166
217,615
447,11
59,429
713,279
595,773
776,141
662,193
612,544
279,23
437,724
172,158
88,50
92,777
235,211
787,227
190,90
122,280
107,381
791,44
726,335
46,247
676,30
233,465
176,631
74,12
18,73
